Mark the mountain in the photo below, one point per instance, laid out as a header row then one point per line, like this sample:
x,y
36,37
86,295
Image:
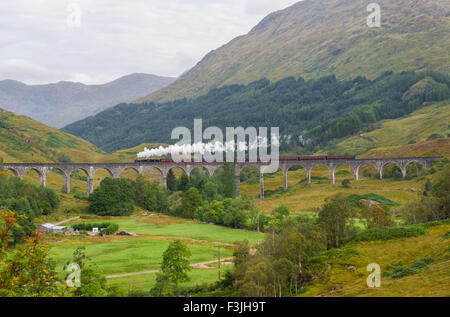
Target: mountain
x,y
25,140
62,103
309,113
315,38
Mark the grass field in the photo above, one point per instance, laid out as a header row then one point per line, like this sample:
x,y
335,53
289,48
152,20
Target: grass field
x,y
118,255
178,228
146,282
130,255
347,274
308,199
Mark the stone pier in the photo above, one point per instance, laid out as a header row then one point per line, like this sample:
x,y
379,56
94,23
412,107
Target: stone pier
x,y
116,169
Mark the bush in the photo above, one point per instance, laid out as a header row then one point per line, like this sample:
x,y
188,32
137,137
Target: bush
x,y
397,270
114,197
354,199
346,183
435,136
388,233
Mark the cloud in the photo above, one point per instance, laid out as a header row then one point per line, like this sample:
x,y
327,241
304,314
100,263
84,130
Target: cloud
x,y
264,7
163,37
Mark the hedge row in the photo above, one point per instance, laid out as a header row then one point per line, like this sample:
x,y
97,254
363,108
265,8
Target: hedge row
x,y
106,228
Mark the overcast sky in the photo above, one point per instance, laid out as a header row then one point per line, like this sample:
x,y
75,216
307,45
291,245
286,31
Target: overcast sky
x,y
117,37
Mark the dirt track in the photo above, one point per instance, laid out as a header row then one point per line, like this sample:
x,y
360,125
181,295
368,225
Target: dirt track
x,y
201,265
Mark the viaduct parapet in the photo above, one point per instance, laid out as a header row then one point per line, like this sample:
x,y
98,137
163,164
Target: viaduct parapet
x,y
116,169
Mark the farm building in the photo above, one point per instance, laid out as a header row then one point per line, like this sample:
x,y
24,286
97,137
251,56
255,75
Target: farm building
x,y
50,228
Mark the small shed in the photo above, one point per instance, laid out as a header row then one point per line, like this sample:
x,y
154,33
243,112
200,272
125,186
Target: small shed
x,y
58,229
50,228
44,228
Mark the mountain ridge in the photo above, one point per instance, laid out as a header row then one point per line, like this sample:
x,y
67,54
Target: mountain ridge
x,y
58,104
311,39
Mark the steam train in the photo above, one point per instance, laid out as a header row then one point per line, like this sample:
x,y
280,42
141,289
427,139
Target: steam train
x,y
281,159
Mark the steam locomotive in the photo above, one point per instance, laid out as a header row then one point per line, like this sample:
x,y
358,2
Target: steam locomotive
x,y
281,159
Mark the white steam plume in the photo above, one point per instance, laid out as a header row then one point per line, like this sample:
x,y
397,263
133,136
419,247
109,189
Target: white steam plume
x,y
202,148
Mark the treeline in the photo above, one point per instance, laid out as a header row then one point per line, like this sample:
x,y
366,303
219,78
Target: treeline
x,y
27,200
318,110
198,196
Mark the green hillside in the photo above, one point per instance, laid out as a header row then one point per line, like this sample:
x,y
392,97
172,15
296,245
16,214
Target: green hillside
x,y
309,113
315,38
25,140
424,132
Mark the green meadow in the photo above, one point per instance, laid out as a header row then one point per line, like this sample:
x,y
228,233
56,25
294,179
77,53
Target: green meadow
x,y
147,281
131,255
183,229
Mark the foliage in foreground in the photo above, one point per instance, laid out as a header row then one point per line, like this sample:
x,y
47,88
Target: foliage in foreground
x,y
28,200
25,269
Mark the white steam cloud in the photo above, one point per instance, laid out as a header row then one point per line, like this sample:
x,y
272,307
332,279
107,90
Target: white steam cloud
x,y
203,148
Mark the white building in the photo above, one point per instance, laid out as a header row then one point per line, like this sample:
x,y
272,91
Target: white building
x,y
50,228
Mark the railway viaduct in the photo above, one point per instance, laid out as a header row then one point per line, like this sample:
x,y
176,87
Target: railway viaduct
x,y
116,169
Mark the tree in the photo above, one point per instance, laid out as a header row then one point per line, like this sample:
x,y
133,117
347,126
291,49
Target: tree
x,y
227,179
25,269
171,181
162,286
175,265
213,212
150,195
92,281
241,252
334,218
183,183
435,205
190,202
211,190
278,215
376,215
114,197
442,192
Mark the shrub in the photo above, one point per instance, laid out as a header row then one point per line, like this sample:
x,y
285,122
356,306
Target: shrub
x,y
346,183
435,136
342,172
354,199
396,270
388,233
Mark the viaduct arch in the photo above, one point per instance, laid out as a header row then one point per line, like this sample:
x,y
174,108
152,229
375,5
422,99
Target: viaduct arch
x,y
116,169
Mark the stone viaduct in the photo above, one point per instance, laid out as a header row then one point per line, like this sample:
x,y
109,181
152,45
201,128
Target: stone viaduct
x,y
116,169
